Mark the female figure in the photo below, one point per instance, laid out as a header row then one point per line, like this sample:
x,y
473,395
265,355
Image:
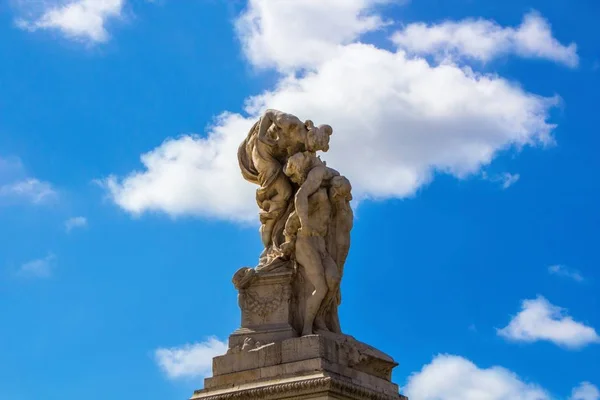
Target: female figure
x,y
261,156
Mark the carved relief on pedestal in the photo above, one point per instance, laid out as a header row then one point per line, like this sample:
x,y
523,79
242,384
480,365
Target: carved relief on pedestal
x,y
265,300
265,305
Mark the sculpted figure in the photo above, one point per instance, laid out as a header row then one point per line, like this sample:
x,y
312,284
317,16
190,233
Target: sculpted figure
x,y
308,229
275,137
305,215
338,245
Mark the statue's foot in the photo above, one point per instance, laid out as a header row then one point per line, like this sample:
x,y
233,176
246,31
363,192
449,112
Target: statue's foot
x,y
307,332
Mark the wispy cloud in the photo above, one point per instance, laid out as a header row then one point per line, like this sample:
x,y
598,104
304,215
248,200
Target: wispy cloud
x,y
540,320
75,222
190,360
39,268
565,272
508,179
505,179
31,189
17,186
585,391
77,19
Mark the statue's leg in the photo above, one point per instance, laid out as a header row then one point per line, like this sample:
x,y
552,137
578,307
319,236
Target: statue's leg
x,y
309,257
328,311
266,230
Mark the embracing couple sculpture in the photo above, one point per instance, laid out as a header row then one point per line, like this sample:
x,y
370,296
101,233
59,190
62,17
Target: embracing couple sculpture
x,y
305,212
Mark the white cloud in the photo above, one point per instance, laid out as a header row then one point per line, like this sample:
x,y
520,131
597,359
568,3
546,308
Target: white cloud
x,y
565,272
15,185
191,175
509,179
585,391
450,377
75,222
288,35
31,189
40,268
77,19
397,120
191,360
505,179
540,320
485,40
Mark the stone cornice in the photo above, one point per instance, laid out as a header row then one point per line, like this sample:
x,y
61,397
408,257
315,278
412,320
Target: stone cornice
x,y
299,388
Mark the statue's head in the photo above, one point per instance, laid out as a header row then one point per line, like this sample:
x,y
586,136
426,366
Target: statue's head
x,y
340,187
317,137
297,167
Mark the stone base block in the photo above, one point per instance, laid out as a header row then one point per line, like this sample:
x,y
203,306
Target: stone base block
x,y
320,366
266,310
319,385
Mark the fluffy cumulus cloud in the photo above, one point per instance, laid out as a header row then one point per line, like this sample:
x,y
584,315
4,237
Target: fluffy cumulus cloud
x,y
585,391
39,268
540,320
17,186
76,19
565,272
288,35
398,119
191,360
485,40
450,377
191,175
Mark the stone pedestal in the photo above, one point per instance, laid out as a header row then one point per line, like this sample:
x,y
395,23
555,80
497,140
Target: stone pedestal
x,y
268,360
265,302
309,367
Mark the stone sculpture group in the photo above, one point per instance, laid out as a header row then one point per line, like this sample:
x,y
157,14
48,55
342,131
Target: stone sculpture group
x,y
305,214
289,344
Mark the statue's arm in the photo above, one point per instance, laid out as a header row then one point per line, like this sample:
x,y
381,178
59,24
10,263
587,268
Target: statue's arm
x,y
310,186
266,120
283,121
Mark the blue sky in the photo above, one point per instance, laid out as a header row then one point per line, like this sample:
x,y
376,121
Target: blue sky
x,y
468,129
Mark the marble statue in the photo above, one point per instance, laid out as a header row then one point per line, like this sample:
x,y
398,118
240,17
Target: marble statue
x,y
289,344
262,155
305,213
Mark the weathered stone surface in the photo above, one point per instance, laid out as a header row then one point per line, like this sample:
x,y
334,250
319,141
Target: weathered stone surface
x,y
305,213
338,357
335,349
290,344
313,386
266,313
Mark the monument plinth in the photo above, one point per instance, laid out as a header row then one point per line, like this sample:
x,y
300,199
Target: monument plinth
x,y
265,302
290,344
307,367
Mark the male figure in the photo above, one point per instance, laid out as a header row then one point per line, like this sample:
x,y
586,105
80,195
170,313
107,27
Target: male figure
x,y
311,223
